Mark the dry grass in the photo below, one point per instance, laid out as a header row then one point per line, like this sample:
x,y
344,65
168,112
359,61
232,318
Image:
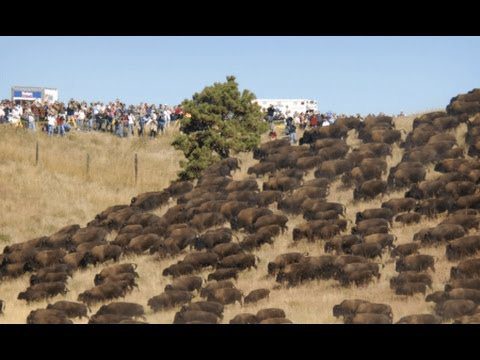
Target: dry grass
x,y
39,200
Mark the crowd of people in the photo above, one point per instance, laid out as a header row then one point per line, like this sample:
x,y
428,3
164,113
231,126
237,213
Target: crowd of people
x,y
115,117
302,120
124,121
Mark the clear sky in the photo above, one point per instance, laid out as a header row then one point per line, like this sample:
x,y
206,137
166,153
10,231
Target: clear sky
x,y
344,74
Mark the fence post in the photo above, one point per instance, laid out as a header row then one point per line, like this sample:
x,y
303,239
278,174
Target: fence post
x,y
88,164
36,154
136,168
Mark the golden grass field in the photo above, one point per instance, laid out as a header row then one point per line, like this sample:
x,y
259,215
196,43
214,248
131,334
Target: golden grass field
x,y
38,200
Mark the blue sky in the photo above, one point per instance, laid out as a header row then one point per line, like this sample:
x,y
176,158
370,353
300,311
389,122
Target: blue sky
x,y
344,74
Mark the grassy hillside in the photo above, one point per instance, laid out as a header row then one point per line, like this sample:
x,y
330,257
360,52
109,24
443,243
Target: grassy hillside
x,y
39,200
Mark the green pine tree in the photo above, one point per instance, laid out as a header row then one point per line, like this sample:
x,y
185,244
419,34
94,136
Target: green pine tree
x,y
223,119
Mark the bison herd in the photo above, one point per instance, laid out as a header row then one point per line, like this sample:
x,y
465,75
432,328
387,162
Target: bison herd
x,y
217,224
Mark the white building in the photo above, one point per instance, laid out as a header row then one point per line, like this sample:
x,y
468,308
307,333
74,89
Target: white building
x,y
292,105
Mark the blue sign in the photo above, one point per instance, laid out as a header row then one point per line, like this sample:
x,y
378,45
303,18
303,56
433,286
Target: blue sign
x,y
27,94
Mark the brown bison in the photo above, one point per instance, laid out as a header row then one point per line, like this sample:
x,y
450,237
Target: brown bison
x,y
122,308
43,291
411,288
104,253
451,309
405,249
332,168
268,197
70,308
150,200
212,238
244,318
208,306
206,220
426,189
225,296
411,277
380,213
256,295
227,249
269,313
247,217
201,259
408,218
178,269
273,219
197,316
399,205
466,269
89,234
347,308
283,260
185,283
282,183
239,261
262,168
367,318
223,274
415,263
48,316
177,188
141,243
169,300
464,284
212,286
369,189
107,291
462,247
420,319
442,232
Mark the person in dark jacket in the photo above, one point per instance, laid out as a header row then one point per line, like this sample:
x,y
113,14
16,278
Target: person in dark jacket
x,y
291,130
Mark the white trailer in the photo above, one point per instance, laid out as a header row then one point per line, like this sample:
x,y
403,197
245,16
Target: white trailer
x,y
288,106
30,93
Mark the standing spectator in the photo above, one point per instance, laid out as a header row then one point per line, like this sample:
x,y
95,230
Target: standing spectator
x,y
161,123
51,121
152,127
325,121
303,121
31,121
270,113
131,123
291,130
70,111
167,116
143,120
272,134
313,120
118,127
2,114
80,116
60,125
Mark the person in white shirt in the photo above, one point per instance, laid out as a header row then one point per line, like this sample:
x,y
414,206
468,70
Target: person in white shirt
x,y
325,121
2,114
167,115
80,115
31,121
51,121
131,123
